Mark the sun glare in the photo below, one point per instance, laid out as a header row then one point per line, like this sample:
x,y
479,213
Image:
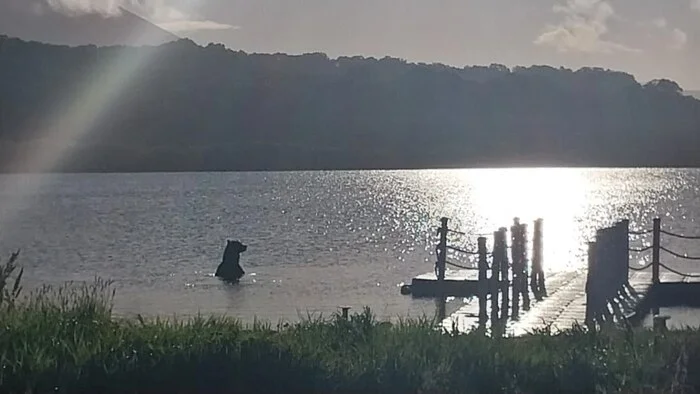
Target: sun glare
x,y
67,124
558,196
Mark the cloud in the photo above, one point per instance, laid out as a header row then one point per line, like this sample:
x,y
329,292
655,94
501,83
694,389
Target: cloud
x,y
185,26
695,5
583,29
82,7
660,22
678,39
167,14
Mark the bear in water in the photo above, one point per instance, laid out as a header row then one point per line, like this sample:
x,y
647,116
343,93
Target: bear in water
x,y
230,268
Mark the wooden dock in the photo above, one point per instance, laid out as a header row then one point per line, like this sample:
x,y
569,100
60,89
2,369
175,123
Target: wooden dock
x,y
607,291
457,283
566,304
567,288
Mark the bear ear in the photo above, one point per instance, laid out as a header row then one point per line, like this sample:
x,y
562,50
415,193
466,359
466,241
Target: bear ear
x,y
228,241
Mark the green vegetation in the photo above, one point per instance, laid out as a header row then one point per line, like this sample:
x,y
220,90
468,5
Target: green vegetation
x,y
187,107
65,340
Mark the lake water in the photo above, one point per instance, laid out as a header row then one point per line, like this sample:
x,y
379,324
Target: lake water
x,y
316,240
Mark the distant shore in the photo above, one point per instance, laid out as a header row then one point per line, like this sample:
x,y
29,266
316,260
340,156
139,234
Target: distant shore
x,y
186,107
351,169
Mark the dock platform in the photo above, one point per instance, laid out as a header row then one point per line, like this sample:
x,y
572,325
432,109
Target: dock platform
x,y
565,305
458,283
607,291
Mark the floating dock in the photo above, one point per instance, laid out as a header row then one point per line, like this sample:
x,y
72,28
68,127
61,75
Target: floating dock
x,y
508,297
456,284
566,304
672,290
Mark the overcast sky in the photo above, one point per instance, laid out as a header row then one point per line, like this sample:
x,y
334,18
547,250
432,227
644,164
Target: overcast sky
x,y
648,38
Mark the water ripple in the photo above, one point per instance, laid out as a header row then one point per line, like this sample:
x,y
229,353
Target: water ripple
x,y
316,239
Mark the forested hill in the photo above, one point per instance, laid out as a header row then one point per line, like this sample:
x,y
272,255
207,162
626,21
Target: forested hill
x,y
188,107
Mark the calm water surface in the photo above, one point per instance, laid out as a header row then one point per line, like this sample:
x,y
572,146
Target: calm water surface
x,y
316,240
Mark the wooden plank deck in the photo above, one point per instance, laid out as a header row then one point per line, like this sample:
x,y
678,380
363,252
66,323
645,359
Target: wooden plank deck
x,y
466,317
565,305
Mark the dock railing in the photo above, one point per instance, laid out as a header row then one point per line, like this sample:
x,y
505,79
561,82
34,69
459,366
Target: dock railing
x,y
656,248
502,281
607,284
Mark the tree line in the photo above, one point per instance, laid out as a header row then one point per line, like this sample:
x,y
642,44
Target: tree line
x,y
185,107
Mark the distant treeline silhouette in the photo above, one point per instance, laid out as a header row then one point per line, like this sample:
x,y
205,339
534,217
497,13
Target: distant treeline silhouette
x,y
187,107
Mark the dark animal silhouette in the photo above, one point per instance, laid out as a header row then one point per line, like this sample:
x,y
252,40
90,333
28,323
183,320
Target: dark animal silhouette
x,y
230,268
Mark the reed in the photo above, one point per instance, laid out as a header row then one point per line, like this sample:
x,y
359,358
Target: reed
x,y
65,340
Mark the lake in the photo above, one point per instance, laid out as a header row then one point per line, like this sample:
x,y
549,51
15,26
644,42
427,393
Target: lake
x,y
316,240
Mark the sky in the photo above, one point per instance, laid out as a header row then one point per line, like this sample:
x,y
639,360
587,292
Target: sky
x,y
647,38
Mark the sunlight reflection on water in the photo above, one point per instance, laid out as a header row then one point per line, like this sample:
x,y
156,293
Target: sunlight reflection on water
x,y
316,239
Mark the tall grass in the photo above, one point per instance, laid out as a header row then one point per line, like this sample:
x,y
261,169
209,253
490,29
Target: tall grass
x,y
9,296
65,340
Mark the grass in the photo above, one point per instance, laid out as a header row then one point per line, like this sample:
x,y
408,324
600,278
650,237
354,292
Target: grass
x,y
66,340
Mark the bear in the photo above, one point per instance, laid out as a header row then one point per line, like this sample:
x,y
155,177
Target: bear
x,y
230,268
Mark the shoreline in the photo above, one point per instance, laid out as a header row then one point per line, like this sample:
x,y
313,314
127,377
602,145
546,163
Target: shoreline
x,y
65,339
514,167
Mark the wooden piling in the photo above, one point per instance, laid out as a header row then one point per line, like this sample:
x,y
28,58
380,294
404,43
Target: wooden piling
x,y
606,262
483,280
537,279
660,323
525,267
625,252
517,266
495,282
441,250
591,299
502,258
656,249
608,273
441,308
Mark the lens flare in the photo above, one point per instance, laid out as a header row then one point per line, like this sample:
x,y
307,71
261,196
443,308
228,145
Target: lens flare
x,y
68,123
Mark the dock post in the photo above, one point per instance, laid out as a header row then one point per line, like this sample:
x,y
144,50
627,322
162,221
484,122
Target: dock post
x,y
660,323
537,280
502,259
656,249
525,267
625,252
605,264
441,308
516,258
483,281
591,295
495,287
441,251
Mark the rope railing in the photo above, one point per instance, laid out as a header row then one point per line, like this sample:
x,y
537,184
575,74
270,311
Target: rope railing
x,y
642,250
443,249
680,256
679,273
451,231
500,267
456,249
609,263
641,232
461,266
695,237
641,268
